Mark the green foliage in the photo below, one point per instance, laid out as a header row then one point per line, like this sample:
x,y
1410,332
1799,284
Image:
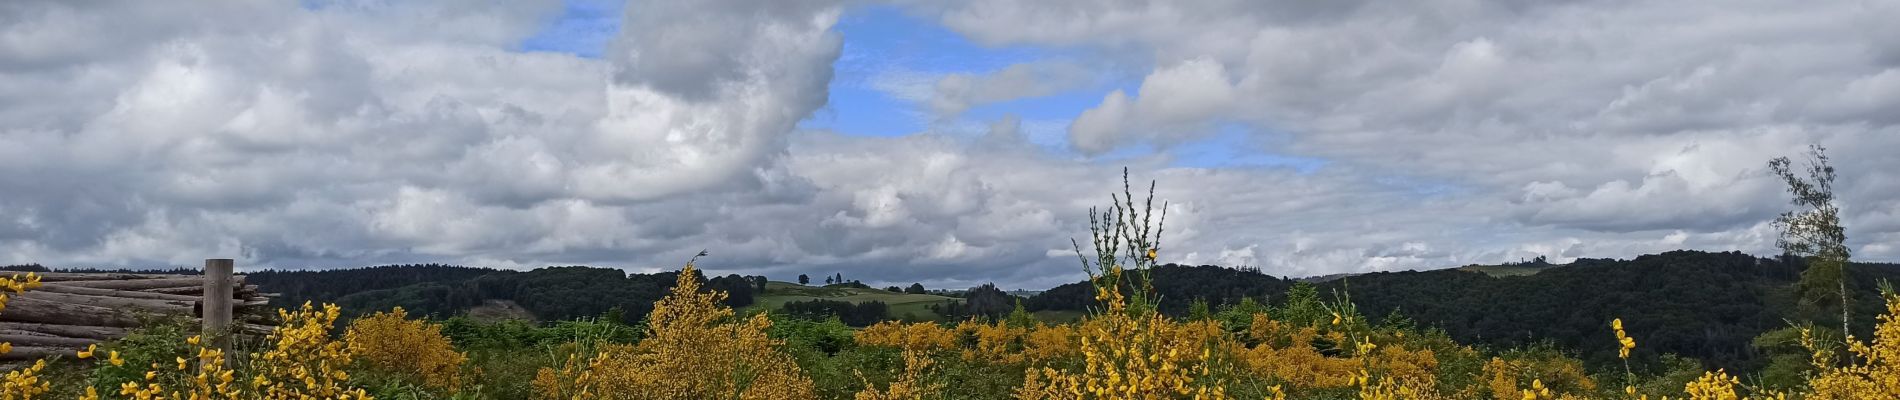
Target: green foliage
x,y
986,302
553,293
1238,316
1787,365
1302,306
1177,286
1020,317
158,343
854,314
503,356
828,336
841,376
469,333
1672,372
1199,310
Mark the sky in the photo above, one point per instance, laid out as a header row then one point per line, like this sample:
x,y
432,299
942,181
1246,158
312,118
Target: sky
x,y
950,143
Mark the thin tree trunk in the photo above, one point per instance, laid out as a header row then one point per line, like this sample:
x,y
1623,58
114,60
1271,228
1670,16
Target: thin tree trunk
x,y
1844,314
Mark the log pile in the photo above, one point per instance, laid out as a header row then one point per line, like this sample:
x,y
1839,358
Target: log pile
x,y
72,310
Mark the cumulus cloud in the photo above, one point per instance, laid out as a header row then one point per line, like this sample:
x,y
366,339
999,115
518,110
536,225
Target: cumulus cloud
x,y
348,133
1176,102
955,93
431,139
1576,105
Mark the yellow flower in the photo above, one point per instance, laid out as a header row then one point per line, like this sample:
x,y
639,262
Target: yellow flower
x,y
694,349
413,349
87,353
115,360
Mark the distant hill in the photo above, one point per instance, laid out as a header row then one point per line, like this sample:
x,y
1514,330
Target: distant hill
x,y
553,293
1698,304
1531,267
1325,278
901,304
1178,285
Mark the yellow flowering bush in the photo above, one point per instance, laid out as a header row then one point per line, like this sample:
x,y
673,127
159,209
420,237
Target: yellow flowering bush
x,y
204,376
1533,377
1298,362
1129,357
920,336
23,383
1873,372
996,342
302,361
413,349
1717,385
1128,349
17,284
909,386
694,349
1046,343
1137,354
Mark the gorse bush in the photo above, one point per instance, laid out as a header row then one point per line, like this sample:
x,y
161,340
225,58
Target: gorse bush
x,y
300,360
694,349
21,383
412,350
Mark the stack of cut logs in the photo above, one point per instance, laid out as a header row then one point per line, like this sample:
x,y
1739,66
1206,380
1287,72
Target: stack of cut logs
x,y
72,310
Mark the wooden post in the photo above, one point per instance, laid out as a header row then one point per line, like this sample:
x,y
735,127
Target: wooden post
x,y
217,303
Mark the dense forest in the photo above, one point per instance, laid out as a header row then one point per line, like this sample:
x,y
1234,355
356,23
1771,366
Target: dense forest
x,y
553,293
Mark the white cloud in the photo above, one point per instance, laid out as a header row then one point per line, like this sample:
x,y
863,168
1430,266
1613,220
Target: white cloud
x,y
350,133
1569,109
1176,102
956,93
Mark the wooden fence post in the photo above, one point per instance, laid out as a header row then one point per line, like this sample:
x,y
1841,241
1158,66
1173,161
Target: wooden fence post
x,y
217,303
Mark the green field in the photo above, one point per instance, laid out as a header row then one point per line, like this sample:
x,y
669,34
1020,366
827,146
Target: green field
x,y
1503,270
778,293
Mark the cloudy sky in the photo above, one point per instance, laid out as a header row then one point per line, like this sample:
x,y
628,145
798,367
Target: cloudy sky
x,y
943,142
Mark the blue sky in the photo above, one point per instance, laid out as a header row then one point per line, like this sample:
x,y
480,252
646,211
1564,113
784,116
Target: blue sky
x,y
583,28
883,43
887,50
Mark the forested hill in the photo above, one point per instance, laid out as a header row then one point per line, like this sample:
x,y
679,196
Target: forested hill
x,y
1704,305
553,293
1178,286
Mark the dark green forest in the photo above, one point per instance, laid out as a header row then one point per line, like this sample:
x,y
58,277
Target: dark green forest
x,y
553,293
